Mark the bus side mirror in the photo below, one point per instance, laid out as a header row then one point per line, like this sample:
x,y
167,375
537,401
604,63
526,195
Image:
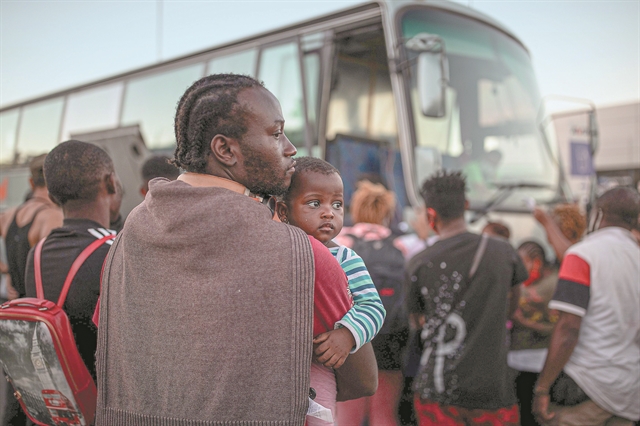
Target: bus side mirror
x,y
432,73
432,84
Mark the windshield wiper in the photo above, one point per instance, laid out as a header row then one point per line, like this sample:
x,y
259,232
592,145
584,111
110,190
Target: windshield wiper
x,y
504,191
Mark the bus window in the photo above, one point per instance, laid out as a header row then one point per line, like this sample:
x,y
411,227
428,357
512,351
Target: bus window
x,y
237,63
280,71
39,128
8,128
93,109
151,101
361,99
312,45
361,122
312,83
489,130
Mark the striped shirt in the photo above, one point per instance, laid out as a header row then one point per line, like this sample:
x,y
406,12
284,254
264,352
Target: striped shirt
x,y
365,318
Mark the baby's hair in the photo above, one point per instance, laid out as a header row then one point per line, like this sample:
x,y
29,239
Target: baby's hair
x,y
306,165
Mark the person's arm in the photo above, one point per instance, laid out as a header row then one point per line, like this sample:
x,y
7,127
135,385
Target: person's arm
x,y
361,323
12,293
358,376
364,320
572,300
563,341
556,238
331,302
543,328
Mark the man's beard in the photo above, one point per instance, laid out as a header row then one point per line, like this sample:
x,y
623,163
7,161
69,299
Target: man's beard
x,y
264,178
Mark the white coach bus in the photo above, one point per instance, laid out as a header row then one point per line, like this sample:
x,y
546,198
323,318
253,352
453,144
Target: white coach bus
x,y
396,88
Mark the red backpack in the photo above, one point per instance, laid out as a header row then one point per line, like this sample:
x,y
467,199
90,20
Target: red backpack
x,y
39,354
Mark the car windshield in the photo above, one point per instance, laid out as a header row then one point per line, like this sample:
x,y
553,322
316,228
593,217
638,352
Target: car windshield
x,y
489,129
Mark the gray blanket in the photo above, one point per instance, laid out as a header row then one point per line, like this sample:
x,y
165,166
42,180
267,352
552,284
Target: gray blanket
x,y
206,314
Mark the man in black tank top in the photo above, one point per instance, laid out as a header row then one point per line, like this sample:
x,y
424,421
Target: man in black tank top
x,y
24,226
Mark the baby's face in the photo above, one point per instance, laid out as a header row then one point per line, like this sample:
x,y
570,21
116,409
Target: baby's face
x,y
316,206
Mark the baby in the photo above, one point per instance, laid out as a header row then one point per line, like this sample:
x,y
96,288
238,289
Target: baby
x,y
314,203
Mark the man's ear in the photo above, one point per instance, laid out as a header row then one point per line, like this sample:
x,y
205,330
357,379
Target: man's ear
x,y
282,210
432,216
31,184
224,149
110,183
466,204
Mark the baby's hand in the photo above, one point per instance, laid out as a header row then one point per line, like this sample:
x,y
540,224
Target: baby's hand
x,y
333,347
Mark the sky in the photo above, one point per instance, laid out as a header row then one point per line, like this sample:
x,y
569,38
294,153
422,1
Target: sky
x,y
585,49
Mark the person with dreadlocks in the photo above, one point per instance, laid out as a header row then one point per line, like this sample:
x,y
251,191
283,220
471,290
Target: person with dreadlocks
x,y
592,370
533,323
463,289
314,203
233,343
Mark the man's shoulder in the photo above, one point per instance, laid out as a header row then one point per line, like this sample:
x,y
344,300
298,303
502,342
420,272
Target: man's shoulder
x,y
79,233
423,258
497,246
320,251
325,262
597,242
47,212
442,248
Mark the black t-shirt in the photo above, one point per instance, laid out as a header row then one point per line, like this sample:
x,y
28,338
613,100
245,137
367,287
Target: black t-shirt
x,y
464,359
59,251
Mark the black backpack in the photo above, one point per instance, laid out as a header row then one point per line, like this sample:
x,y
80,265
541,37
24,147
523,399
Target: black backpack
x,y
385,264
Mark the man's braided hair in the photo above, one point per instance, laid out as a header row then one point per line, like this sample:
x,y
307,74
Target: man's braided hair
x,y
209,107
534,251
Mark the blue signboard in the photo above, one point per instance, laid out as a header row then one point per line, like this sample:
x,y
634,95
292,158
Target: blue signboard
x,y
581,161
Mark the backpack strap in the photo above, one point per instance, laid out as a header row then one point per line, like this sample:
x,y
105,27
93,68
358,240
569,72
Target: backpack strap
x,y
475,263
37,271
75,266
478,256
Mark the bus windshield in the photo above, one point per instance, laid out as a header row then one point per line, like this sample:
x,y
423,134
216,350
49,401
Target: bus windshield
x,y
489,129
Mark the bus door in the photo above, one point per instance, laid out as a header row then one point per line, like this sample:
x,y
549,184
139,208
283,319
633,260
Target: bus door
x,y
361,129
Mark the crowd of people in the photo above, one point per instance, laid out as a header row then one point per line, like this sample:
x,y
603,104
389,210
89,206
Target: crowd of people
x,y
236,294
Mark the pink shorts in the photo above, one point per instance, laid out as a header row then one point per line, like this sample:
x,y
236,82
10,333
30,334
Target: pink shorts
x,y
323,380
